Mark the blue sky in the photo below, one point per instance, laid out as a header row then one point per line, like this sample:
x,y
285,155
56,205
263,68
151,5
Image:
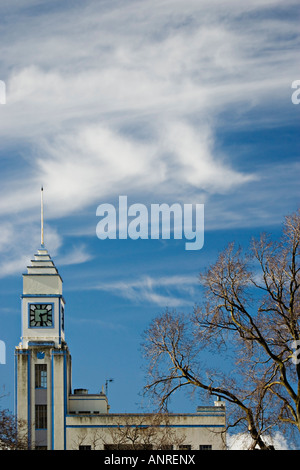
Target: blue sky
x,y
162,101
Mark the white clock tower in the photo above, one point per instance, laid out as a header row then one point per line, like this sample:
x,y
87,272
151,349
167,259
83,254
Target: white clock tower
x,y
43,361
43,304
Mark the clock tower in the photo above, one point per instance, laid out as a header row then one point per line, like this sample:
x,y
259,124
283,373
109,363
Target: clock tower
x,y
43,305
43,361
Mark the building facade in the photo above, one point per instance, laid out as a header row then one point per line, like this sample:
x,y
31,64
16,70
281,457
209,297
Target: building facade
x,y
59,418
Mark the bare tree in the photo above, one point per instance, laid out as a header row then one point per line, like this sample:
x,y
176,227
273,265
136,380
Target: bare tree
x,y
88,439
249,317
13,432
147,431
133,432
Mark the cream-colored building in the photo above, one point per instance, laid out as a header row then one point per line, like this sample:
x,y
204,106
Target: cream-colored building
x,y
58,418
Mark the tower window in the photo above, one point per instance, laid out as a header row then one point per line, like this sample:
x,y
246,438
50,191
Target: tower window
x,y
41,376
62,318
40,416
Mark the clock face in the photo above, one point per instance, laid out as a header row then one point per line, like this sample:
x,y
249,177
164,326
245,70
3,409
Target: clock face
x,y
40,315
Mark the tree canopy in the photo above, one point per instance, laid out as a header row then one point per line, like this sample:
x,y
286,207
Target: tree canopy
x,y
249,317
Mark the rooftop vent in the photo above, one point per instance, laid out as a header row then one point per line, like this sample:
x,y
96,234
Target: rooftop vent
x,y
80,391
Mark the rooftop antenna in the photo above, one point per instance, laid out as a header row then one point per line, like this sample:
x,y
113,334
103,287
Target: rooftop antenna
x,y
106,385
42,217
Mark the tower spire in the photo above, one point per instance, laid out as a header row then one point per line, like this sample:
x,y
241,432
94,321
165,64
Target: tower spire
x,y
42,217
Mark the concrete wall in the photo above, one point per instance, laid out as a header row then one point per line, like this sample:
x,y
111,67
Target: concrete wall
x,y
55,396
181,429
88,403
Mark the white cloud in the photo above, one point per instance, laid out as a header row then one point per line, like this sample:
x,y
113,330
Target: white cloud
x,y
166,291
143,60
133,102
197,166
99,163
77,255
6,235
242,441
20,243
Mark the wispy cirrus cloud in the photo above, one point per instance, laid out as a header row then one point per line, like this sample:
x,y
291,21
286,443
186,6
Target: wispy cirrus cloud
x,y
165,291
25,240
77,255
134,103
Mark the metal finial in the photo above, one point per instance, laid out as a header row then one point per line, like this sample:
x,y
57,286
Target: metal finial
x,y
42,217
